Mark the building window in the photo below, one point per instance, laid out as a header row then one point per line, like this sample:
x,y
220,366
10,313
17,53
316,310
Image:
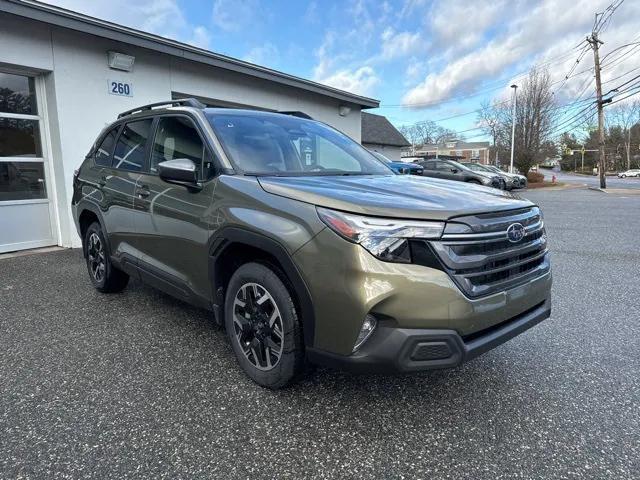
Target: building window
x,y
475,153
21,158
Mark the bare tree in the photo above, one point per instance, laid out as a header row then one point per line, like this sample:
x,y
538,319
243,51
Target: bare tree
x,y
625,115
491,121
535,119
426,132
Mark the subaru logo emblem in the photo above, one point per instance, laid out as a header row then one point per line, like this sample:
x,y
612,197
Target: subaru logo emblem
x,y
515,232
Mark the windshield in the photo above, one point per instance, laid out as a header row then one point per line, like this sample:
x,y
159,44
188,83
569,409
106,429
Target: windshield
x,y
261,143
380,156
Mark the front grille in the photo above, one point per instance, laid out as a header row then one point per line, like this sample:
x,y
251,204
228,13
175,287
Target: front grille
x,y
479,257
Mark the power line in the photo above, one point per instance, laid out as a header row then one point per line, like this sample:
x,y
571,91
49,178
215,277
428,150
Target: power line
x,y
617,89
620,76
618,60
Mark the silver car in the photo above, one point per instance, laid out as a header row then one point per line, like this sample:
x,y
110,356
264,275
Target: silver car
x,y
634,172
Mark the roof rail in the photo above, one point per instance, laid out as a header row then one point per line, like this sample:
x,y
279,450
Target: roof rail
x,y
187,102
296,114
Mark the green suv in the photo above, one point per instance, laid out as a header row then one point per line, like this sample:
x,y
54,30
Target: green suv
x,y
304,246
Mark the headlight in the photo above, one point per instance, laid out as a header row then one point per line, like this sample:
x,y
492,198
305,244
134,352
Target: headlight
x,y
385,238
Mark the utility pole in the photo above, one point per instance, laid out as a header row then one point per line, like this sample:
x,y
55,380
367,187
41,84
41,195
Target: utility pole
x,y
513,124
595,44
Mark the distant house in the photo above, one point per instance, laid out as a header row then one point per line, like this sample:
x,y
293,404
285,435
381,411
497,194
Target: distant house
x,y
465,151
379,135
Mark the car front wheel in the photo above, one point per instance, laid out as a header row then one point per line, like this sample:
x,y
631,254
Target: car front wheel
x,y
262,323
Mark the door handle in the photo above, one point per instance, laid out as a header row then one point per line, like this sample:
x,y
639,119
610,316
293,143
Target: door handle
x,y
103,181
143,192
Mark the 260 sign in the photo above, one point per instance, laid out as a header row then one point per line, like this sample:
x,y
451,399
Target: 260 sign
x,y
120,88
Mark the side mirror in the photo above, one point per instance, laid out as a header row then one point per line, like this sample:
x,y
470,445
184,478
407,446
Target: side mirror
x,y
454,170
181,171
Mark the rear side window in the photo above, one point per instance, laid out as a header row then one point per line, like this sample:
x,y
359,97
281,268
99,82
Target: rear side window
x,y
129,152
103,152
176,137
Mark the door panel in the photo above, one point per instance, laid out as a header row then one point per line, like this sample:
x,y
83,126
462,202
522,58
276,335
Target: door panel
x,y
172,220
119,184
173,235
118,189
27,218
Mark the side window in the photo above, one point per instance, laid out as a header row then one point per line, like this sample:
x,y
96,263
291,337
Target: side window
x,y
103,152
129,152
177,137
430,165
330,156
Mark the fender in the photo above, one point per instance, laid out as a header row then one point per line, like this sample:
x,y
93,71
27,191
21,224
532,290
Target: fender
x,y
80,207
229,236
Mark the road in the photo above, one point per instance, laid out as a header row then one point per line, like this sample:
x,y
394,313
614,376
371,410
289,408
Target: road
x,y
139,385
592,181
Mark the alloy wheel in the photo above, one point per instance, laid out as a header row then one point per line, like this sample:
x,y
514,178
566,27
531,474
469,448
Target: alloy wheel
x,y
95,257
258,326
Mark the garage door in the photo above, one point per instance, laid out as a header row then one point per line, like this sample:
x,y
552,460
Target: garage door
x,y
25,208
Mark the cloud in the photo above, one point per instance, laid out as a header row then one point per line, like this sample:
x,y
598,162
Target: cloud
x,y
520,36
360,81
161,17
233,15
267,54
400,44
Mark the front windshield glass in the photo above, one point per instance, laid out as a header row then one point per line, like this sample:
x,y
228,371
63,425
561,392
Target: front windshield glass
x,y
261,143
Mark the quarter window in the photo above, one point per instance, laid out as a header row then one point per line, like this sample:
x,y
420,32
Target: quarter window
x,y
103,152
129,152
177,137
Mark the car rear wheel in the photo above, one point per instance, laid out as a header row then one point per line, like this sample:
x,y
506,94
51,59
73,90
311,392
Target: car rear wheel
x,y
104,276
263,326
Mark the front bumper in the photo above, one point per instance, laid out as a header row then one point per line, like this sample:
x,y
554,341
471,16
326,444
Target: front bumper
x,y
398,350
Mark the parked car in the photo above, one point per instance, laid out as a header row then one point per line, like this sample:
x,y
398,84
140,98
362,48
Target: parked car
x,y
399,167
634,172
451,170
520,180
513,180
303,245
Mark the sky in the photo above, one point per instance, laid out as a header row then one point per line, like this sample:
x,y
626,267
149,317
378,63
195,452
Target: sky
x,y
424,60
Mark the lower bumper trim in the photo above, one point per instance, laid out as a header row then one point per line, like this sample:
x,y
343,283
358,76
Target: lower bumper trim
x,y
396,350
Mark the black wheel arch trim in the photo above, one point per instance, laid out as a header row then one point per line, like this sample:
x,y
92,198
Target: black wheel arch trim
x,y
83,206
229,236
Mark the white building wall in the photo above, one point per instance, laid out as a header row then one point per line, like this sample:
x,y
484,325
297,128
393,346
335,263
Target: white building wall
x,y
391,152
74,69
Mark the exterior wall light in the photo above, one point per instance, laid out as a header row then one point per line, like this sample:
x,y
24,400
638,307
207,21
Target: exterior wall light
x,y
120,61
344,110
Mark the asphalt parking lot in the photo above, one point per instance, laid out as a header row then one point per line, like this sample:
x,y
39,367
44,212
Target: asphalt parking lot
x,y
138,385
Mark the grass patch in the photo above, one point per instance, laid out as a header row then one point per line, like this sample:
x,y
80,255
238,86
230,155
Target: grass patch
x,y
545,184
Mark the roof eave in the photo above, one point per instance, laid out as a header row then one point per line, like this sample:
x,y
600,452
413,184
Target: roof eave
x,y
83,23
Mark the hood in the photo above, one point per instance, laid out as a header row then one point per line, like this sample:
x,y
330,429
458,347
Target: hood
x,y
398,196
485,174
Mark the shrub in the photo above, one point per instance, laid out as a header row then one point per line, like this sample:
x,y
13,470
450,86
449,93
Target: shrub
x,y
535,177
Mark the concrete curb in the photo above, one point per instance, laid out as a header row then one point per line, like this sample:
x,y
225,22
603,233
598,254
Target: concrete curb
x,y
598,189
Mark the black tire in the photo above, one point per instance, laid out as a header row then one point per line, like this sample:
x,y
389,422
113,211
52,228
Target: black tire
x,y
272,354
104,276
